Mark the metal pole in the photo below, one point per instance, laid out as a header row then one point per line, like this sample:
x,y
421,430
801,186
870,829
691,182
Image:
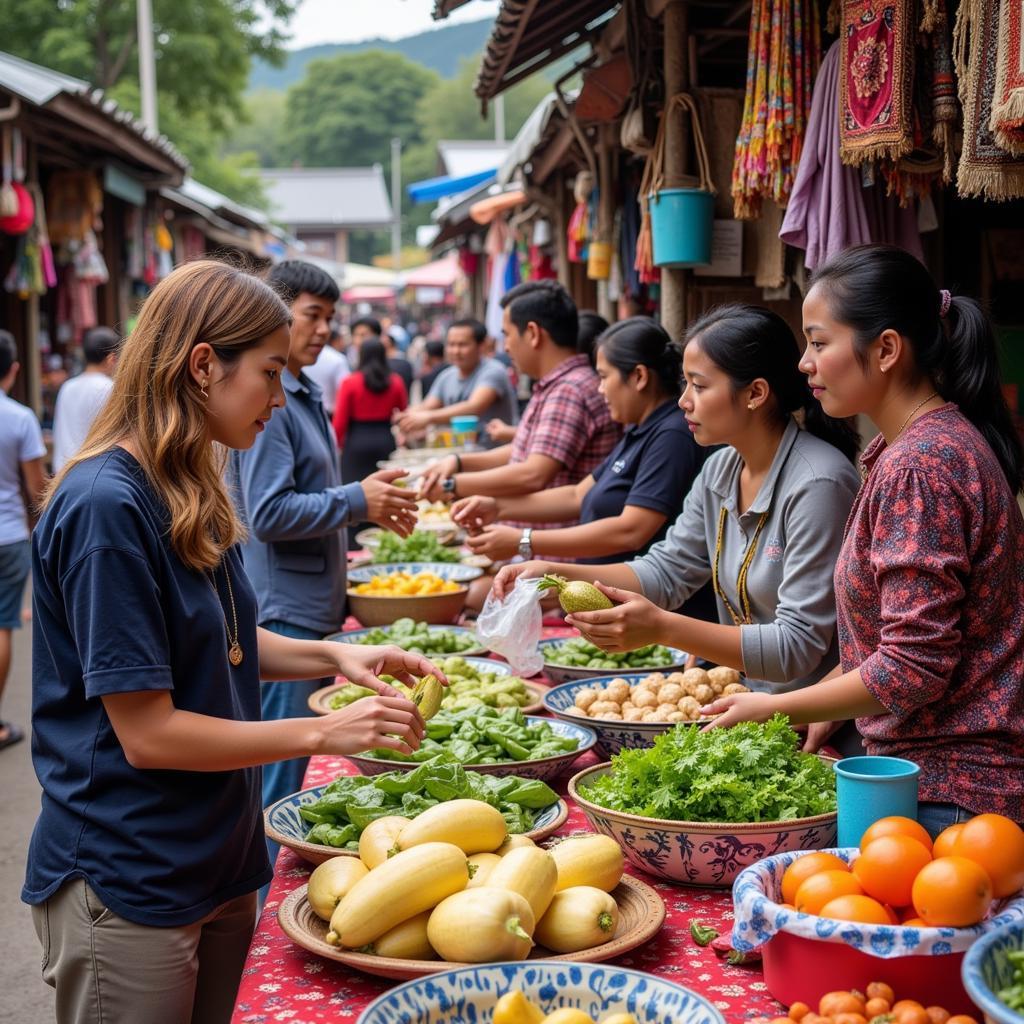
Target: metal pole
x,y
499,118
147,64
396,203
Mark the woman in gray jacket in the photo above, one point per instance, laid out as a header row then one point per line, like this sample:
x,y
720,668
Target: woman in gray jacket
x,y
764,520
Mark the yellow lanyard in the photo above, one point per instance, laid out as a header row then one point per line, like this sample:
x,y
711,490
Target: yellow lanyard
x,y
741,580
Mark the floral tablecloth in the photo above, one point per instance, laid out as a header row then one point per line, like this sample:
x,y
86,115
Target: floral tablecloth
x,y
282,982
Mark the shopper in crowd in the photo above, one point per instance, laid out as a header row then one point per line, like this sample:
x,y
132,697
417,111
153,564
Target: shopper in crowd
x,y
566,430
929,587
148,851
472,385
292,497
433,364
368,328
592,326
330,369
763,522
21,480
81,398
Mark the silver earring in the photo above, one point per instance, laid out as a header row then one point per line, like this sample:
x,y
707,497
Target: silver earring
x,y
204,389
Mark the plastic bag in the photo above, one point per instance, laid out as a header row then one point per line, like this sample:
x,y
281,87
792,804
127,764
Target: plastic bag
x,y
512,628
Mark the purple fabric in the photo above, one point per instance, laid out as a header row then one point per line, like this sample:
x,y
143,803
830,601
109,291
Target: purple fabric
x,y
829,209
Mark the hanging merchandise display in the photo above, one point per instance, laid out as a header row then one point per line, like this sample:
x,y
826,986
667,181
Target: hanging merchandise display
x,y
1007,120
33,271
579,231
986,169
74,205
784,51
164,248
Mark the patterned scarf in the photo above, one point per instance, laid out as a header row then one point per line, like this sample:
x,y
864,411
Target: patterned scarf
x,y
1007,121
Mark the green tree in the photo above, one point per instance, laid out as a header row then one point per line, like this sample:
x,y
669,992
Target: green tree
x,y
260,130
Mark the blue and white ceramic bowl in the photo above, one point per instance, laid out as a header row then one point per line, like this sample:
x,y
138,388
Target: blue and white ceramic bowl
x,y
545,768
986,971
467,995
563,673
283,824
358,636
446,570
697,852
612,735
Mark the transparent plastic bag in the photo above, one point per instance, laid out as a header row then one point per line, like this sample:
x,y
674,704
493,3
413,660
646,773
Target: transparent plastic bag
x,y
512,628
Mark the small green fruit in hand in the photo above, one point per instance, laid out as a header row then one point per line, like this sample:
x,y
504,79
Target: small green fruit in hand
x,y
427,695
576,596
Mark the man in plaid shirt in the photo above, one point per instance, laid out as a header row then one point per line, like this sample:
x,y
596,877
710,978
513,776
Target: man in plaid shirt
x,y
566,430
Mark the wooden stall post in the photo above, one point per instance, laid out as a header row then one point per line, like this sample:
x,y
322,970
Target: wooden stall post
x,y
606,212
676,59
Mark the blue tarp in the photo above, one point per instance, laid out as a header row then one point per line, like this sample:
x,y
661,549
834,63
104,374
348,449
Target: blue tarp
x,y
432,189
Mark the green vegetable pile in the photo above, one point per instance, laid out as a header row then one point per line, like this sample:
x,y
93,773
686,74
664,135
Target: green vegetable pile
x,y
483,735
420,638
351,802
419,546
580,653
1013,994
751,772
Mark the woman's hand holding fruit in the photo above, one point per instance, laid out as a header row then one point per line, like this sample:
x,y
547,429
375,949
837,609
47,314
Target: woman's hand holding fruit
x,y
505,581
392,722
363,664
633,622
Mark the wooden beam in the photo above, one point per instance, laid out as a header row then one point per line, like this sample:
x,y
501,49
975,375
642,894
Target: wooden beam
x,y
675,60
737,14
553,156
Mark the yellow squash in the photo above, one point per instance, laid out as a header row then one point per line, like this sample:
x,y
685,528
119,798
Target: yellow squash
x,y
402,887
406,941
330,881
471,825
529,871
479,926
588,860
579,918
480,867
379,838
514,1008
513,843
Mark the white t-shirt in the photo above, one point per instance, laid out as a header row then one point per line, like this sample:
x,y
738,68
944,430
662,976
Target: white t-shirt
x,y
329,370
21,440
78,403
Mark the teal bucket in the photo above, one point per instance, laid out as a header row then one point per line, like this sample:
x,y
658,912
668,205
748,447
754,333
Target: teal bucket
x,y
681,220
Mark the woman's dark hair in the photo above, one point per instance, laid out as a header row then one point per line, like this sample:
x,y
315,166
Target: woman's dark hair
x,y
749,343
641,341
373,365
875,288
591,326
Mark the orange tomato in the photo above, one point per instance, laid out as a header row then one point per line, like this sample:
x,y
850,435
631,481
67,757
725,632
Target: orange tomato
x,y
953,892
888,866
906,1004
850,1018
876,1007
798,1011
834,1003
819,889
855,907
961,1018
896,826
879,990
997,844
943,845
803,867
937,1014
914,922
910,1013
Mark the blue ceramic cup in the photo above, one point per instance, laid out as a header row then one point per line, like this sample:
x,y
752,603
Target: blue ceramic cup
x,y
869,788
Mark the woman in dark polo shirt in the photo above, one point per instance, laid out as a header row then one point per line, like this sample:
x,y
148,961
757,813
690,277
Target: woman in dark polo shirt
x,y
627,503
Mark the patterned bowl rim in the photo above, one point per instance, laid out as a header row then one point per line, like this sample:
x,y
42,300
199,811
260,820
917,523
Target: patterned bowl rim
x,y
611,723
667,825
508,968
552,640
468,572
342,637
407,597
974,981
569,755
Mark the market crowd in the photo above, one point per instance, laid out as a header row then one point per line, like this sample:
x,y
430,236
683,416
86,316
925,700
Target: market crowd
x,y
191,547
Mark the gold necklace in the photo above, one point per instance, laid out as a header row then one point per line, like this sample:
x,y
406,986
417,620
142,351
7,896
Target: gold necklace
x,y
235,654
919,405
746,618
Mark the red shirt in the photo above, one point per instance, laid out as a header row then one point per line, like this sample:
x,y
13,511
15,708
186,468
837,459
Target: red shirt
x,y
930,606
356,402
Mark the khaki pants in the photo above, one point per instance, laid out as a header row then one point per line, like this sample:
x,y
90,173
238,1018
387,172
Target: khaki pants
x,y
107,970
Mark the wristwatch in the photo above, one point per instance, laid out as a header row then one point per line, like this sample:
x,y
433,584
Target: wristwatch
x,y
525,543
448,486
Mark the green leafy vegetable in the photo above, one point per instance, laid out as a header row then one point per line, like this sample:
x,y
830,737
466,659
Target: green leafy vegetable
x,y
579,653
751,772
419,546
1013,994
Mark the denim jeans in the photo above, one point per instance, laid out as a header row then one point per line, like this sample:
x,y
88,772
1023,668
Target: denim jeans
x,y
935,817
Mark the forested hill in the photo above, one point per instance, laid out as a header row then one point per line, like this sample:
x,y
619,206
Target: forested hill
x,y
440,49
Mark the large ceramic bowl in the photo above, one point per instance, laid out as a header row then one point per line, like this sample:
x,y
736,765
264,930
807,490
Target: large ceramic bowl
x,y
697,852
467,995
545,768
446,570
564,673
283,825
370,537
986,971
358,636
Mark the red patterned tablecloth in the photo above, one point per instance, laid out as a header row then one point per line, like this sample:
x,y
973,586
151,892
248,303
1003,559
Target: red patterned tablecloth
x,y
282,982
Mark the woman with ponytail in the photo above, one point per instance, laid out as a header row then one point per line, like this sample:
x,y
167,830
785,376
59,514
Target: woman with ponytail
x,y
763,522
929,585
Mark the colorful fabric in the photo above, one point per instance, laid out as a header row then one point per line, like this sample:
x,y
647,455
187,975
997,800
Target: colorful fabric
x,y
1007,121
930,608
986,169
784,51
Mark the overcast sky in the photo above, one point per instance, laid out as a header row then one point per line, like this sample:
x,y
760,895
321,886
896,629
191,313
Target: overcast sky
x,y
346,21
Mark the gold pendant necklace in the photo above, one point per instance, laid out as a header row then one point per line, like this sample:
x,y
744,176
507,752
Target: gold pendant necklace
x,y
235,654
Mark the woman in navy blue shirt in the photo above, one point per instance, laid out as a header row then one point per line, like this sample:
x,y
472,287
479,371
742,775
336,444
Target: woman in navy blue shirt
x,y
144,864
628,502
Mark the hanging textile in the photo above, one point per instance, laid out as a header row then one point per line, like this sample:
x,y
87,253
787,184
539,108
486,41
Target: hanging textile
x,y
784,50
1007,120
986,169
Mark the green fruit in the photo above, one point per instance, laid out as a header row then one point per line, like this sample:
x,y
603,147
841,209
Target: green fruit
x,y
426,695
576,596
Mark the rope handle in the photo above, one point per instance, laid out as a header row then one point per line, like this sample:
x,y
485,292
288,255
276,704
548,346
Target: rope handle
x,y
654,170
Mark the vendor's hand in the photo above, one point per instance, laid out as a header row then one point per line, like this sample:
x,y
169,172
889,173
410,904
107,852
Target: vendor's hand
x,y
496,542
392,722
818,734
500,431
633,622
505,581
474,513
433,477
389,506
741,707
413,421
364,663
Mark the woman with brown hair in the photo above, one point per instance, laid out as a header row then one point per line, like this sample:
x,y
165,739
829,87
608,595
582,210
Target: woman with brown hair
x,y
148,852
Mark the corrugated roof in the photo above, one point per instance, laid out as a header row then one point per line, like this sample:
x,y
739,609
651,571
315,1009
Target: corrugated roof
x,y
462,157
328,197
442,8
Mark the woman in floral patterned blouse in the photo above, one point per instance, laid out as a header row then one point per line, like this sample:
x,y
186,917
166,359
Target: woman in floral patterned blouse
x,y
930,580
